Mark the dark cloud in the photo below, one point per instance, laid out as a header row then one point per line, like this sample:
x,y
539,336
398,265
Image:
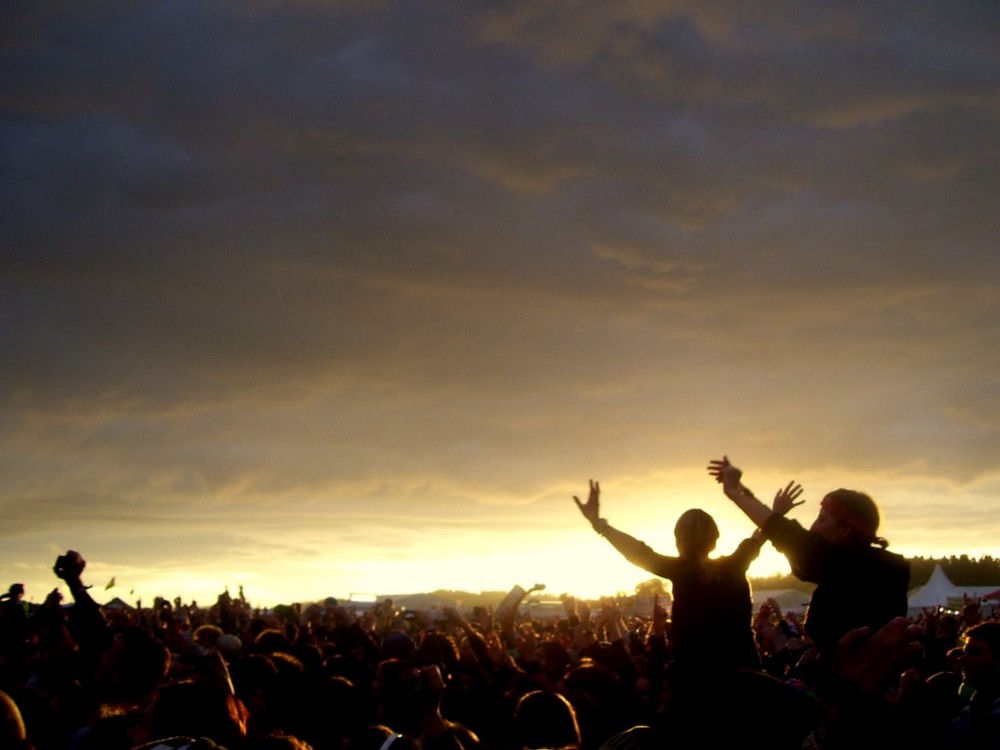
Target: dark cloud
x,y
401,254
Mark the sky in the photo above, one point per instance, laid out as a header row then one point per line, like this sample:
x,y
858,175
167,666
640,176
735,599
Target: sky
x,y
344,298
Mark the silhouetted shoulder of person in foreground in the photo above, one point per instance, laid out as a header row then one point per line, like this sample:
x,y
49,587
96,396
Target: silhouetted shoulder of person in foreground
x,y
858,582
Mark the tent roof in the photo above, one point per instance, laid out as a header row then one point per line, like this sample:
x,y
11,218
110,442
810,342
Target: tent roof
x,y
117,603
940,591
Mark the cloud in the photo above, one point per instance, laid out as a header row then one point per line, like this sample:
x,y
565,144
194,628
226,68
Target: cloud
x,y
430,264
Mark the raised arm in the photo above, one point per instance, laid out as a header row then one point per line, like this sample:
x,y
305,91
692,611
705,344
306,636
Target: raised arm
x,y
86,622
730,477
632,549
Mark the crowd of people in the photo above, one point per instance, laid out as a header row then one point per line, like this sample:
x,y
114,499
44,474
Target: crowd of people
x,y
854,672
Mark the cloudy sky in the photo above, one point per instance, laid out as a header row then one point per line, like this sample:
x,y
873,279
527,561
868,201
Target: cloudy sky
x,y
330,298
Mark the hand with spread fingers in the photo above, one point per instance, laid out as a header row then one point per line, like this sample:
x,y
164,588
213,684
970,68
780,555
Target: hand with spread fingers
x,y
785,498
724,472
592,508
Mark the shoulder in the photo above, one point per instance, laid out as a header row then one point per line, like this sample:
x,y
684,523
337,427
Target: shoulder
x,y
891,559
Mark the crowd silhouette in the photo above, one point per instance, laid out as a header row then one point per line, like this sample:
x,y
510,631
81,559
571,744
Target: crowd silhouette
x,y
855,672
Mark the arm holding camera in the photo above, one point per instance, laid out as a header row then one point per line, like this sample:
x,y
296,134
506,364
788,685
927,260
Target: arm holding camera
x,y
86,622
69,568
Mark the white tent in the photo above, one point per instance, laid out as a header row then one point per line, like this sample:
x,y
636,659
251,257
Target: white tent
x,y
940,591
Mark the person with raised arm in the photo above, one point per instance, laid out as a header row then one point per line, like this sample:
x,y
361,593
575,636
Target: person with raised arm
x,y
710,638
712,614
710,635
858,582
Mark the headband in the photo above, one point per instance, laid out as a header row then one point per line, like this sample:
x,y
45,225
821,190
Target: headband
x,y
847,518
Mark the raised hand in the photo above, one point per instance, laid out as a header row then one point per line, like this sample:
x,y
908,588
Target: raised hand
x,y
724,472
69,567
785,498
592,508
731,479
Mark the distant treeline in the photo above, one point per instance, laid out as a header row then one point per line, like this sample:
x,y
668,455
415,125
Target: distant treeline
x,y
961,570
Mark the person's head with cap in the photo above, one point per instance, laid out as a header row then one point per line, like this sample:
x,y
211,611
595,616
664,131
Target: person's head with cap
x,y
849,517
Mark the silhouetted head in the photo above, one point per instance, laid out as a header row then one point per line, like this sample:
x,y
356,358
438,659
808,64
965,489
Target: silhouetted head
x,y
695,533
848,517
544,719
437,648
135,664
271,640
196,709
554,658
207,635
398,645
13,733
